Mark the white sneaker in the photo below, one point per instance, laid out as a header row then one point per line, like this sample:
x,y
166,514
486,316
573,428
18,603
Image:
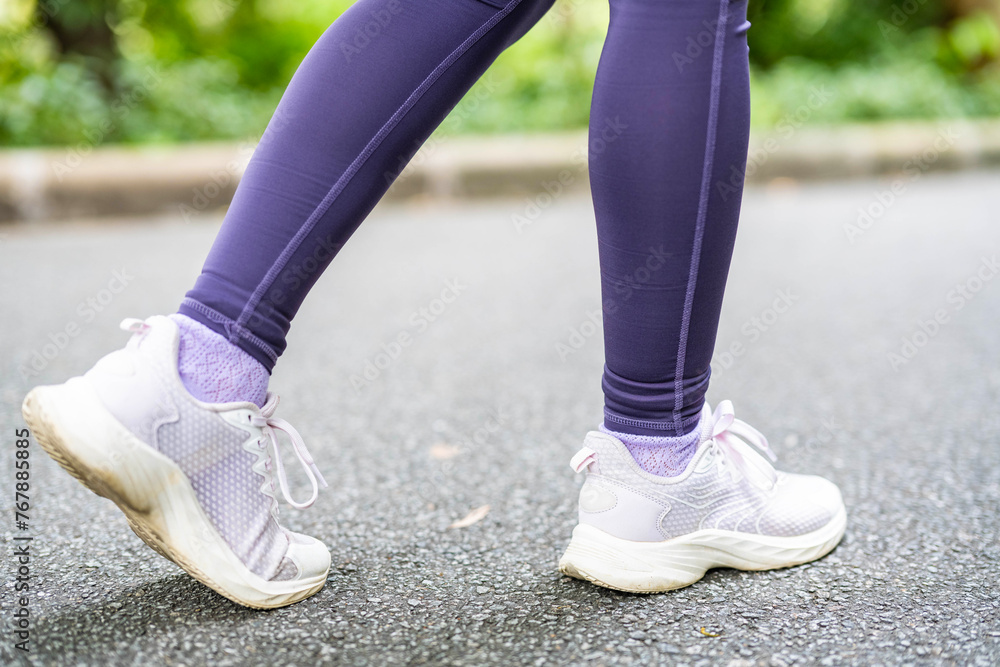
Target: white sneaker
x,y
645,534
194,479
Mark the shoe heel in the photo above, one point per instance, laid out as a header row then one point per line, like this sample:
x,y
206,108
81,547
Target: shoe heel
x,y
623,565
72,426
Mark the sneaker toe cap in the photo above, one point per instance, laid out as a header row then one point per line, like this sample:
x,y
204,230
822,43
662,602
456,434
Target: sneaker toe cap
x,y
820,491
309,554
804,503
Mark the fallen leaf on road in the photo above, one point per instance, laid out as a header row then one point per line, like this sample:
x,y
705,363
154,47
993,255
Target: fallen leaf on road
x,y
707,633
475,516
442,451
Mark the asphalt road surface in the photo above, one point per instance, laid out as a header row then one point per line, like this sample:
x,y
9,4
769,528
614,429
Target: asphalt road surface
x,y
865,346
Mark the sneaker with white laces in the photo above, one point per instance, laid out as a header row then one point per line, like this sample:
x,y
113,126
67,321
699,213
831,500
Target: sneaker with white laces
x,y
729,508
194,479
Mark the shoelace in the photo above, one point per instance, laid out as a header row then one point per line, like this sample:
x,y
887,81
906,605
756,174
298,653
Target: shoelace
x,y
269,424
133,325
727,433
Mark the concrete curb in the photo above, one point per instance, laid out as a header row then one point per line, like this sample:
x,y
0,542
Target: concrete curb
x,y
57,184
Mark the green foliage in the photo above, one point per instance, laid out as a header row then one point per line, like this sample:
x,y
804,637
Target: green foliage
x,y
543,82
835,32
970,42
95,71
904,88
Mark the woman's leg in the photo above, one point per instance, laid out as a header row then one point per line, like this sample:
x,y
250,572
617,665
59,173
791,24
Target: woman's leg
x,y
673,85
673,77
369,93
196,478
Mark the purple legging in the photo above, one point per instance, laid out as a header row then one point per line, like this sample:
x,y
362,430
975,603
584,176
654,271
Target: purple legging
x,y
669,128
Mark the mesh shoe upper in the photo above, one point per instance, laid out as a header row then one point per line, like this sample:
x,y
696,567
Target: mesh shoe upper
x,y
217,446
725,487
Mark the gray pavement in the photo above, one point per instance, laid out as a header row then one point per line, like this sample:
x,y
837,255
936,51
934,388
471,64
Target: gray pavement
x,y
482,409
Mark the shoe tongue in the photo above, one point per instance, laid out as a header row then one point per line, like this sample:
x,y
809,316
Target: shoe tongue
x,y
705,424
270,404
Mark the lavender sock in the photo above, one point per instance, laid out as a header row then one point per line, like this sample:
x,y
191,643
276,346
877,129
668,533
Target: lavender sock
x,y
214,370
663,456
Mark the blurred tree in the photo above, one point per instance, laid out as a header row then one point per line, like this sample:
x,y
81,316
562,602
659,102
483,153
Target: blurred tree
x,y
82,30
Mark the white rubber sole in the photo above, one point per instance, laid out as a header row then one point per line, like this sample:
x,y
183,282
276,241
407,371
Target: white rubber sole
x,y
654,567
72,426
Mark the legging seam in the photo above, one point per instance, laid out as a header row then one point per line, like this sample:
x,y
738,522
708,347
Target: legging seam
x,y
355,166
232,327
699,232
651,424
